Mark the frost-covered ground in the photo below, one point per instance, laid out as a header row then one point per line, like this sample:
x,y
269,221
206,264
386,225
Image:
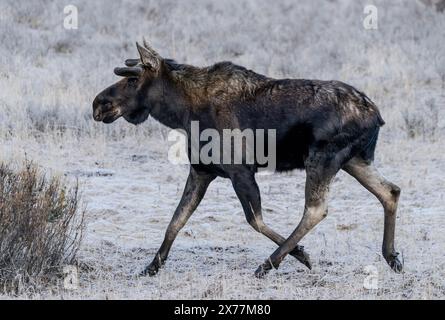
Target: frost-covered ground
x,y
49,76
132,190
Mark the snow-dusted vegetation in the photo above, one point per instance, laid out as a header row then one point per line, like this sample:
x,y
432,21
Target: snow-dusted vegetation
x,y
49,76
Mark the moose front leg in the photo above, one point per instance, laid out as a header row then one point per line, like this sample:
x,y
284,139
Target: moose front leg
x,y
194,191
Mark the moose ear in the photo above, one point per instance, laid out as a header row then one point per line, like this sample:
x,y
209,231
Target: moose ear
x,y
149,57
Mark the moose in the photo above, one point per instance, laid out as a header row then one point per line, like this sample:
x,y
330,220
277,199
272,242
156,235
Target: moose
x,y
321,127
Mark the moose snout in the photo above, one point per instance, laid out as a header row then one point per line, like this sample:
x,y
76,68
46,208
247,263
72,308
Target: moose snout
x,y
104,110
100,106
97,115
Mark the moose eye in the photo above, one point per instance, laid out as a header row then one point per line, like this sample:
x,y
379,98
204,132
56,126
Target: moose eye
x,y
132,81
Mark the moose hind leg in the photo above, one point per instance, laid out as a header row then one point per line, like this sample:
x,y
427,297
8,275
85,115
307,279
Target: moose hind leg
x,y
194,191
248,193
388,194
318,181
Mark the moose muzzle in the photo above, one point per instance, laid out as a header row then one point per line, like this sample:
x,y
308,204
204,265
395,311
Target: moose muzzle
x,y
103,110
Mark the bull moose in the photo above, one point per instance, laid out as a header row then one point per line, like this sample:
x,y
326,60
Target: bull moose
x,y
321,127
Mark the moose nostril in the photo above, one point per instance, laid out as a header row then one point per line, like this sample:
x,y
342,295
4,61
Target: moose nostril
x,y
96,114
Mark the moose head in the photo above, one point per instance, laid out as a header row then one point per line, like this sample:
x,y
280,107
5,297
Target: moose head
x,y
133,96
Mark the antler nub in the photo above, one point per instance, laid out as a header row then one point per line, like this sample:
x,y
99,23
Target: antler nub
x,y
128,71
132,62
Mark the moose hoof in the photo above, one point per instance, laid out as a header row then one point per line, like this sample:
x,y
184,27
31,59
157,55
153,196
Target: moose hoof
x,y
263,269
302,256
394,262
153,268
150,270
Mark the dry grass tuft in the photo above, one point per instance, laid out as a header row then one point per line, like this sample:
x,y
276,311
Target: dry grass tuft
x,y
40,227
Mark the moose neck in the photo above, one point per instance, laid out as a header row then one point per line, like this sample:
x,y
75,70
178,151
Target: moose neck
x,y
170,109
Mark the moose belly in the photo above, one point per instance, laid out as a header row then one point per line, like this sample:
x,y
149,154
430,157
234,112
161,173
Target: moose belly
x,y
283,151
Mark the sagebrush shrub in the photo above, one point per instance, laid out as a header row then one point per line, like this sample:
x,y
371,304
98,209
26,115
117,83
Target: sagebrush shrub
x,y
40,226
